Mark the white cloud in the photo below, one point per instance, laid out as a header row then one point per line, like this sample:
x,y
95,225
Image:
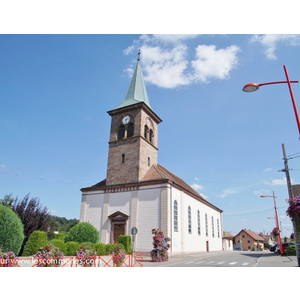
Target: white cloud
x,y
166,64
267,169
213,63
228,192
270,42
197,187
2,166
261,192
275,182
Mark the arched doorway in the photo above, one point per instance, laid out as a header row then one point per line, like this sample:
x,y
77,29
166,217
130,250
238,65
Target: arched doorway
x,y
118,225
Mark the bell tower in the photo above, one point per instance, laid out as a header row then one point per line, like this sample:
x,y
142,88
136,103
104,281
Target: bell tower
x,y
133,135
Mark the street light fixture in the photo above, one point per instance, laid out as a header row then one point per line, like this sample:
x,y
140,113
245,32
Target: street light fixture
x,y
252,87
276,222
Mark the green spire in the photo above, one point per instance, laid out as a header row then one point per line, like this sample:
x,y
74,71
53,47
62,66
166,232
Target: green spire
x,y
137,89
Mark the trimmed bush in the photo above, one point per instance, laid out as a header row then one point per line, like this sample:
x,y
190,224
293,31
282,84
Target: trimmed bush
x,y
38,239
100,248
59,244
59,236
81,233
291,250
125,240
71,248
11,230
110,248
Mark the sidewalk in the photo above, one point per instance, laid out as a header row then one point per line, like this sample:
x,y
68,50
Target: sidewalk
x,y
273,260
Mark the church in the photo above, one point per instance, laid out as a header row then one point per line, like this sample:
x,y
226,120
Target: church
x,y
138,192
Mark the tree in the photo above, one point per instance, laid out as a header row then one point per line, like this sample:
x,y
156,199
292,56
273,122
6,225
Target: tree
x,y
11,230
32,214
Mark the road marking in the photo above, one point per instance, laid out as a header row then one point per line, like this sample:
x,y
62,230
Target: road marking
x,y
199,262
210,262
233,263
221,262
189,262
245,264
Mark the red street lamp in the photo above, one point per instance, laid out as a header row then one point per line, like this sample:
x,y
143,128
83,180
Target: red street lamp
x,y
251,87
276,222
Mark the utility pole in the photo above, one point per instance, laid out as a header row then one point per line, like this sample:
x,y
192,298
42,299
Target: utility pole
x,y
287,173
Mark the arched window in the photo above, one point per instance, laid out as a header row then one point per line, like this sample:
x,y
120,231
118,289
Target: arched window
x,y
199,228
150,135
146,132
206,225
175,215
121,132
218,228
130,130
189,220
212,227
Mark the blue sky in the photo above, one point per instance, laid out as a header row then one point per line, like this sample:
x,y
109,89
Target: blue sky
x,y
54,129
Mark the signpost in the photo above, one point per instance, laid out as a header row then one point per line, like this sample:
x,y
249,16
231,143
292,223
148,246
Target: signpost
x,y
134,231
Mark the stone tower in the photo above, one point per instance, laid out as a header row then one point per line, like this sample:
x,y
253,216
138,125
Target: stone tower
x,y
133,135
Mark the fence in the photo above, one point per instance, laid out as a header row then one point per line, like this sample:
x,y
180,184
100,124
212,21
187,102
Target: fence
x,y
128,260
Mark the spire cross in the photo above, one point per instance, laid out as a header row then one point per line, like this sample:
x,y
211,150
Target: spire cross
x,y
139,54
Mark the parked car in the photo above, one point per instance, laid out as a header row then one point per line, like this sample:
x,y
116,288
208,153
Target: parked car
x,y
237,248
284,246
273,248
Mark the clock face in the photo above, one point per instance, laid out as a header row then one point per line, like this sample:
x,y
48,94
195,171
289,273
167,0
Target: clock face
x,y
126,120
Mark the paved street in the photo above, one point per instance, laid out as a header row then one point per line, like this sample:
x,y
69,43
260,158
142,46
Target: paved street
x,y
226,259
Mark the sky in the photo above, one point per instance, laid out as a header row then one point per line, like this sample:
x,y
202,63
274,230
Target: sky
x,y
225,143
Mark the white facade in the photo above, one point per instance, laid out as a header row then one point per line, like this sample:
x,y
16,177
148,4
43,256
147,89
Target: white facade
x,y
154,206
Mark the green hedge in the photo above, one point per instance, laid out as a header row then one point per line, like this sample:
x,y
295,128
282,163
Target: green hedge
x,y
59,236
37,240
60,244
126,241
110,248
71,248
11,230
100,248
81,233
291,250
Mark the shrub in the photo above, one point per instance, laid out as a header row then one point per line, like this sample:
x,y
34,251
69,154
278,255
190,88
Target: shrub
x,y
100,248
49,256
59,244
125,240
11,230
37,240
81,233
59,236
87,246
114,248
291,250
71,248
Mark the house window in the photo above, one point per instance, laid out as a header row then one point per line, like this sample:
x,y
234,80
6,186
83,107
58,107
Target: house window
x,y
249,241
206,225
148,161
130,130
212,227
123,158
218,228
189,220
175,215
121,132
199,228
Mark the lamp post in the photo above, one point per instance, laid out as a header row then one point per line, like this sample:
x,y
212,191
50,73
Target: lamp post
x,y
252,87
276,222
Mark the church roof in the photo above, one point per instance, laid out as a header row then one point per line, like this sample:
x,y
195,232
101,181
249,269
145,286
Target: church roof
x,y
137,90
156,174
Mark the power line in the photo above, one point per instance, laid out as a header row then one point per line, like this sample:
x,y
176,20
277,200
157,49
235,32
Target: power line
x,y
44,179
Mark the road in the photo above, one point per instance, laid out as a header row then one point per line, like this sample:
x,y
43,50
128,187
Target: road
x,y
226,259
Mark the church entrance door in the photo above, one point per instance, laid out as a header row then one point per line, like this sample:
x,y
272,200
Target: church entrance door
x,y
119,229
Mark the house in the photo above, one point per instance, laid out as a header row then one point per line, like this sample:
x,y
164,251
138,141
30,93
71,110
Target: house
x,y
227,241
248,240
268,239
139,192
